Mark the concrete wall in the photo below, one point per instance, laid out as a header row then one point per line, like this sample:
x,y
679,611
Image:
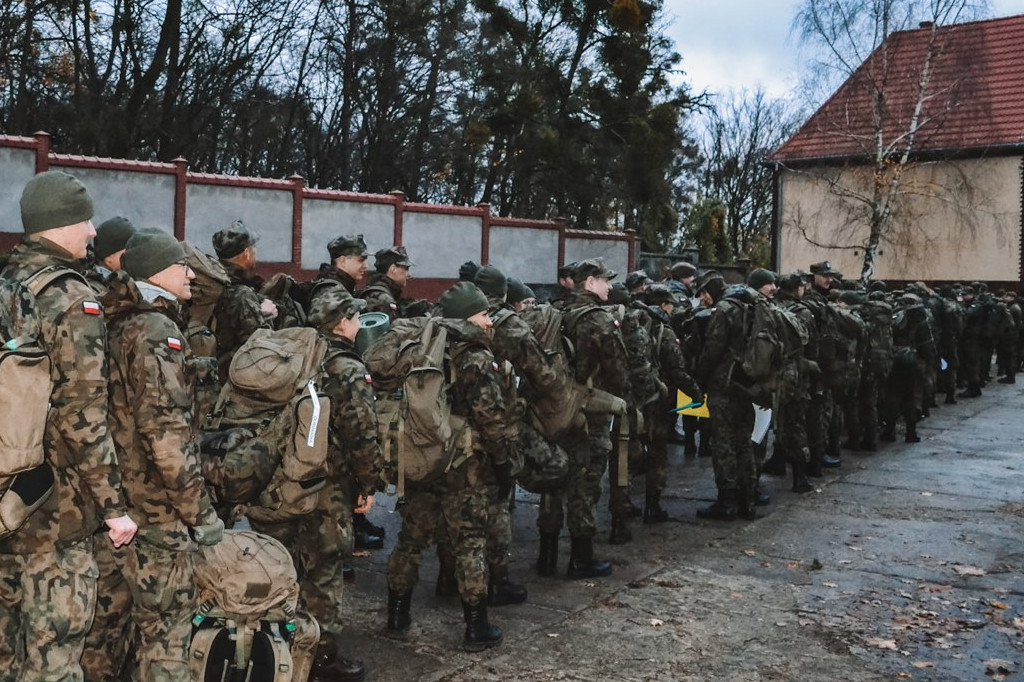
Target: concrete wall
x,y
438,243
615,253
323,220
957,220
266,212
529,255
17,166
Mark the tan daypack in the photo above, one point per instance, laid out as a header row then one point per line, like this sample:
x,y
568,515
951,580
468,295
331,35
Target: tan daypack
x,y
207,288
275,420
26,481
247,627
420,436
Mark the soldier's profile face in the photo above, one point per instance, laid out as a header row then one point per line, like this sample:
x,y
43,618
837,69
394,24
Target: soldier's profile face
x,y
482,320
75,238
599,286
399,274
353,266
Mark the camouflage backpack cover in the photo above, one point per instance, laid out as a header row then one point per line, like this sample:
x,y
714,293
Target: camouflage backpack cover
x,y
207,289
247,626
772,348
26,481
419,435
268,446
845,371
877,317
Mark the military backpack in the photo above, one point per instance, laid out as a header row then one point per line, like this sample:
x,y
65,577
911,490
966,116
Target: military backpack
x,y
207,288
877,316
247,627
774,342
269,429
26,480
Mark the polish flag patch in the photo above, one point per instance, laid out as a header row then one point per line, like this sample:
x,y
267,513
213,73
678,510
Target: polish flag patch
x,y
393,306
494,366
91,308
616,322
173,343
369,379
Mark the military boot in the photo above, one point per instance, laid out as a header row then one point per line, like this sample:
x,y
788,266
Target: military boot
x,y
398,611
501,591
888,432
620,534
447,585
745,503
480,634
582,563
722,509
653,513
814,469
547,559
912,436
800,482
774,465
330,666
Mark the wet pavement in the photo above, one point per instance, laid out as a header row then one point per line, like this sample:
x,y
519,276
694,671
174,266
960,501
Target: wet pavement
x,y
905,564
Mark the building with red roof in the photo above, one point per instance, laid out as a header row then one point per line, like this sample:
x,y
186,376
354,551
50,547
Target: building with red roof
x,y
930,128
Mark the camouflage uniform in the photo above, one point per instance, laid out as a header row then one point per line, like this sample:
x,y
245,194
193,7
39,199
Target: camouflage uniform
x,y
383,295
906,382
970,348
155,429
952,328
791,420
462,496
237,315
730,407
319,541
48,590
600,358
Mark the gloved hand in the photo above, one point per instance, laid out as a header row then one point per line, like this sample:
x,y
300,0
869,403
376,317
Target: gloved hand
x,y
503,476
208,534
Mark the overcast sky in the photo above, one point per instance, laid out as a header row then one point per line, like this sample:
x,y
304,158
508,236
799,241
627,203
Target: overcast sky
x,y
735,44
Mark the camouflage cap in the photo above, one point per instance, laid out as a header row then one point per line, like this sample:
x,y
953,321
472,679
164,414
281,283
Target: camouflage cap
x,y
823,268
233,240
682,269
393,255
618,295
332,304
657,294
790,282
112,236
348,245
637,279
567,270
592,267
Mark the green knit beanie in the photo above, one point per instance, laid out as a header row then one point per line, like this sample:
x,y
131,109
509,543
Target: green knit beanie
x,y
149,251
491,281
112,236
462,301
54,199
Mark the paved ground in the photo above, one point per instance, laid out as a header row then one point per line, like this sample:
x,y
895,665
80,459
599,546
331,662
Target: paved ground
x,y
904,564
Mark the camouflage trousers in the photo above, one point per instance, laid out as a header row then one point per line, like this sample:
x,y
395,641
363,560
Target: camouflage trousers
x,y
791,433
460,501
819,416
111,636
1006,357
863,422
949,377
46,605
319,543
498,530
904,394
845,403
164,600
970,361
659,423
588,458
732,452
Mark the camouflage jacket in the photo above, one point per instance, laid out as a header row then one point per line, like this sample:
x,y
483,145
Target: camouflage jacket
x,y
669,354
476,390
153,411
513,341
600,353
724,340
330,273
645,384
382,295
355,455
236,316
87,488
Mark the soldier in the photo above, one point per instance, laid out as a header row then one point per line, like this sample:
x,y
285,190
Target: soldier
x,y
566,283
970,344
319,541
731,410
819,416
48,591
155,429
383,290
241,309
1009,339
681,277
658,415
913,349
348,263
520,296
637,283
462,495
468,270
600,360
111,237
951,329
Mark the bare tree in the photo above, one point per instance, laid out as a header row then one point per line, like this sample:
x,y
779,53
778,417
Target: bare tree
x,y
909,93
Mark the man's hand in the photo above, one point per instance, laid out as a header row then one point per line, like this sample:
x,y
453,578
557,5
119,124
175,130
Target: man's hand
x,y
268,308
122,530
363,504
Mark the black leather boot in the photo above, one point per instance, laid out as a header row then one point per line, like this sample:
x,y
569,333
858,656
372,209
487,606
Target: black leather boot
x,y
398,610
814,469
620,534
800,482
480,634
774,465
501,591
330,666
653,513
447,585
912,436
745,501
547,559
582,563
888,432
722,509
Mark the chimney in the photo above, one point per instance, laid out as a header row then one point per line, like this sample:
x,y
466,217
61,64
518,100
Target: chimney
x,y
926,24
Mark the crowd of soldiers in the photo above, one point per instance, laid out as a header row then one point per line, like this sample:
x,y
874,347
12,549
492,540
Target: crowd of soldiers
x,y
111,551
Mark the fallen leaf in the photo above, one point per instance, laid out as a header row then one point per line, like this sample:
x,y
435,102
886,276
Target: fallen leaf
x,y
923,664
736,595
969,570
750,552
903,675
361,552
657,622
552,634
882,643
926,494
829,585
997,605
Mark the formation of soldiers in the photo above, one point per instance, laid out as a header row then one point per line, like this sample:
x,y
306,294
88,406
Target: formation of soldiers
x,y
99,585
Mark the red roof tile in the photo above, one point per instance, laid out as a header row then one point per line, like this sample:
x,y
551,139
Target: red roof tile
x,y
974,99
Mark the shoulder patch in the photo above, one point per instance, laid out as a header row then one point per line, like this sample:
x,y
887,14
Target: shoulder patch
x,y
91,308
369,379
174,343
495,367
393,306
618,325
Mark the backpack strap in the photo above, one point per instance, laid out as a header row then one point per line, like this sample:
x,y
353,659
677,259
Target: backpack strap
x,y
41,279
